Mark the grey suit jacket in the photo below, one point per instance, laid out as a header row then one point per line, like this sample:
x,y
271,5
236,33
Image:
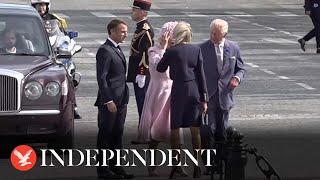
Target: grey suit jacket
x,y
232,66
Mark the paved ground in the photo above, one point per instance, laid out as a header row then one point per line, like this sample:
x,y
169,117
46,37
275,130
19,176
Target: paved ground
x,y
168,4
277,104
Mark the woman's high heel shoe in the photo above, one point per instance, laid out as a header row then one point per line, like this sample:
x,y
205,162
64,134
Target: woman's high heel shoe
x,y
177,171
153,172
196,172
173,171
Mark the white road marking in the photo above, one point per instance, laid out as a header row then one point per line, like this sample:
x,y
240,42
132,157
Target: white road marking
x,y
100,41
256,24
268,72
153,14
197,15
235,12
286,14
279,40
244,21
194,14
305,86
242,15
283,77
269,28
297,36
285,32
91,54
252,65
275,116
103,14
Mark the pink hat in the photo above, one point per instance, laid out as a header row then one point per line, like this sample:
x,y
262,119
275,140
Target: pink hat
x,y
168,27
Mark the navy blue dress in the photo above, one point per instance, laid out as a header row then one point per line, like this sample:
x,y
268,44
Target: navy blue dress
x,y
189,85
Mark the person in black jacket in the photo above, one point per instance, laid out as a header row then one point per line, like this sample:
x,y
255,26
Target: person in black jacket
x,y
113,97
189,93
312,8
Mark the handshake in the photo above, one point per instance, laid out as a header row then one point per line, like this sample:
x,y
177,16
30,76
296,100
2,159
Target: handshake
x,y
141,80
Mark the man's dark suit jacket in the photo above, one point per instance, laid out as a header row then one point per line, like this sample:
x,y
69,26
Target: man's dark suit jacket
x,y
111,75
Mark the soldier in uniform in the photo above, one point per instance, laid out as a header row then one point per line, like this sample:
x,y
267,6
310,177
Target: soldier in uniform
x,y
312,8
43,7
138,70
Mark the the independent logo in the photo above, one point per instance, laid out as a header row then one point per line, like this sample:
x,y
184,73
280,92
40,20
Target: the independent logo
x,y
23,158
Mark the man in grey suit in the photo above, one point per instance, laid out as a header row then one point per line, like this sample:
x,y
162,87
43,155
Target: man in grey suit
x,y
113,97
224,70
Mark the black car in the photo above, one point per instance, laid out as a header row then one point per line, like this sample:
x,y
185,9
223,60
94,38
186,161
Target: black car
x,y
37,96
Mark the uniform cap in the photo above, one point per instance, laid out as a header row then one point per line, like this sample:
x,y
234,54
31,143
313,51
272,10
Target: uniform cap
x,y
142,4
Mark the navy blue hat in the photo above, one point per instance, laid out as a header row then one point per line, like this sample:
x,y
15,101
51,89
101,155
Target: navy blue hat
x,y
142,4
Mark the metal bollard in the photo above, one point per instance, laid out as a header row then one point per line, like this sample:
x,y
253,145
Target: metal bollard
x,y
232,158
235,157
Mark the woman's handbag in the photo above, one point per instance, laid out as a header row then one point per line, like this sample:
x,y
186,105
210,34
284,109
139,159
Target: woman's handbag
x,y
204,119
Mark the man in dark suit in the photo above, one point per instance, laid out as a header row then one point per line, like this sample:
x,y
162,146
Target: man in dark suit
x,y
224,70
138,71
113,97
312,9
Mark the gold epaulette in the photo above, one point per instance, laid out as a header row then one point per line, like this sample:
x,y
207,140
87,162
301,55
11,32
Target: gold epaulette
x,y
146,26
62,21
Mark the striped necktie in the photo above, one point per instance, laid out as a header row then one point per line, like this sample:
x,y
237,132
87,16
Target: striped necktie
x,y
219,58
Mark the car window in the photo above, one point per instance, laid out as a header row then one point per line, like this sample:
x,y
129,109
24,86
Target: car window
x,y
25,33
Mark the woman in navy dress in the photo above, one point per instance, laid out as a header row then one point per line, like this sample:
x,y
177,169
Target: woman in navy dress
x,y
189,89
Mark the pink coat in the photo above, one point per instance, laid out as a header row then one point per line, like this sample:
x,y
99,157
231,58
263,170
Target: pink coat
x,y
155,118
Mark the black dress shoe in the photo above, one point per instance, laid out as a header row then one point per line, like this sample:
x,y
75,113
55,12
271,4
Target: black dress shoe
x,y
106,173
76,115
207,172
196,172
177,171
122,172
110,176
302,43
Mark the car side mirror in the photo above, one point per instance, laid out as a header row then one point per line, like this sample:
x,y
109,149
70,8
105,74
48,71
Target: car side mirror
x,y
60,55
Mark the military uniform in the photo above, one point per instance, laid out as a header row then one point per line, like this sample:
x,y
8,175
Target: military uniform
x,y
62,22
138,61
312,6
142,40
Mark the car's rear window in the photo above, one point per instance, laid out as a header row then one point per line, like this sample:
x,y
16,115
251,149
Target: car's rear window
x,y
26,33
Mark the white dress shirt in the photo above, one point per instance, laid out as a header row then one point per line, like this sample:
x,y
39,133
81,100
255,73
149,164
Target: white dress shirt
x,y
219,52
114,43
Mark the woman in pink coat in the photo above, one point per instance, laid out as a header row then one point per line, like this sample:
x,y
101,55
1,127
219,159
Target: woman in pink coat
x,y
155,124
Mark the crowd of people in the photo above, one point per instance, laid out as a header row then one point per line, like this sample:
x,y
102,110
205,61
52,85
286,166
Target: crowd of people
x,y
175,83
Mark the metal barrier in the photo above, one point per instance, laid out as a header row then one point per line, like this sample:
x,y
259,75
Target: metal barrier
x,y
232,156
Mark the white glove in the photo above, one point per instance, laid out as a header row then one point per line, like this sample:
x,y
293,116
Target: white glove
x,y
141,80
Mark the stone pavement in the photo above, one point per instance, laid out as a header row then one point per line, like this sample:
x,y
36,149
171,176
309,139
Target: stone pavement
x,y
168,4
